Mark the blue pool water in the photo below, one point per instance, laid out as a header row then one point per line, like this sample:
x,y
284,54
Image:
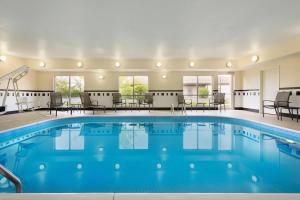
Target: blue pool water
x,y
152,154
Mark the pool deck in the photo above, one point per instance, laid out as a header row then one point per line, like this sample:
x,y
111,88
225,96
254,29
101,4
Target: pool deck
x,y
21,119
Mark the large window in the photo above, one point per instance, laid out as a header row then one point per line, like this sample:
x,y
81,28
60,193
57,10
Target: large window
x,y
70,87
133,87
197,88
225,86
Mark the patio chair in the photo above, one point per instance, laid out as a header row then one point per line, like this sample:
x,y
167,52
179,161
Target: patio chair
x,y
56,102
282,101
148,100
182,102
117,100
217,100
88,104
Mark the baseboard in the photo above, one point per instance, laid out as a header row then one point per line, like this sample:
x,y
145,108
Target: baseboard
x,y
247,109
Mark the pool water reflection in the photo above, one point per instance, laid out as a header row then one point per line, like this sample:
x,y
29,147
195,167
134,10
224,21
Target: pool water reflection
x,y
151,157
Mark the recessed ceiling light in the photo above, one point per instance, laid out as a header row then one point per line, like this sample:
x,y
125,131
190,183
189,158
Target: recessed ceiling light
x,y
229,64
192,64
158,64
117,64
79,64
255,58
101,77
164,76
42,64
2,58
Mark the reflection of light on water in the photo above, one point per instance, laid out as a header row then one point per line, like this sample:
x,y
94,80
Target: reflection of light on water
x,y
101,149
117,166
254,178
79,166
192,165
158,166
4,183
42,166
229,165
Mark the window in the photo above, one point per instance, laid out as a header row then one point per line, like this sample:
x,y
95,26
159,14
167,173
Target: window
x,y
197,88
225,86
70,87
133,137
70,138
133,87
198,137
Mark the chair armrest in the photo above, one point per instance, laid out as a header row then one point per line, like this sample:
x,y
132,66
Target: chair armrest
x,y
268,101
188,101
264,101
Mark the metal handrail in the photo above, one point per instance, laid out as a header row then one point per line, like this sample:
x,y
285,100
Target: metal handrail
x,y
10,176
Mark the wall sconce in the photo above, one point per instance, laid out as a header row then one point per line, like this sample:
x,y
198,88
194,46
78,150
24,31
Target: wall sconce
x,y
158,64
80,64
255,58
117,64
164,76
101,77
192,64
229,64
2,58
42,64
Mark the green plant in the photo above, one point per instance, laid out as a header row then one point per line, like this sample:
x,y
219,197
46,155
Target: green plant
x,y
203,92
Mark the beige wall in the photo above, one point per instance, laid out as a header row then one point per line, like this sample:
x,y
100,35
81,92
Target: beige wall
x,y
289,72
29,82
110,81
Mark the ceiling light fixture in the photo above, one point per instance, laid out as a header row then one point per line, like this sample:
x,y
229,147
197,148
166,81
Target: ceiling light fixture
x,y
229,64
42,64
192,64
255,58
79,64
101,77
117,64
2,58
158,64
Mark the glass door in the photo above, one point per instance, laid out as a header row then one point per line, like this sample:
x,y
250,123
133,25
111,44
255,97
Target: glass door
x,y
225,86
62,85
70,88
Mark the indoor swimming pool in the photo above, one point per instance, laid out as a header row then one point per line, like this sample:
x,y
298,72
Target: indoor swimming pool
x,y
151,155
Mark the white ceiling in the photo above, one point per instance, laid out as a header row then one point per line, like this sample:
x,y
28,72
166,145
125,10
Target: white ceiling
x,y
144,28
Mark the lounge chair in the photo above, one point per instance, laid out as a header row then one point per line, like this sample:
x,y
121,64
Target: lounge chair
x,y
56,102
282,101
148,100
117,100
88,104
182,102
217,100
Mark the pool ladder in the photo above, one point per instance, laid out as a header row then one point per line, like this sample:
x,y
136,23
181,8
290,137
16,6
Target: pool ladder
x,y
13,178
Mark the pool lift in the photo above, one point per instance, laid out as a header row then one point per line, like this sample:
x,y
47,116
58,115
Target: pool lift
x,y
13,77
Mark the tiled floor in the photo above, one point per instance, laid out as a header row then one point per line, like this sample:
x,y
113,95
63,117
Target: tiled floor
x,y
21,119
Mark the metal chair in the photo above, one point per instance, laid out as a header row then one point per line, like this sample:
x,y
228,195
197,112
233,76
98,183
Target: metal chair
x,y
56,102
88,104
183,102
148,100
282,101
117,100
217,100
